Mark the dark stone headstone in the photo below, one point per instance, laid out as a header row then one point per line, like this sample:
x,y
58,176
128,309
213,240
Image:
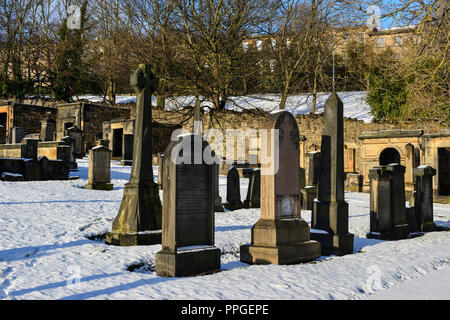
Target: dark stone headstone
x,y
388,217
233,191
127,150
253,199
313,168
68,141
77,135
160,170
2,135
30,148
424,198
188,214
32,170
280,236
330,210
63,153
218,207
139,219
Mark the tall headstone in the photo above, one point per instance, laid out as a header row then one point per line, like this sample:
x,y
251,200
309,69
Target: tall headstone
x,y
16,134
218,207
30,148
409,175
233,190
388,219
330,211
77,135
188,213
309,192
139,219
253,199
99,169
68,141
280,236
424,198
127,150
48,128
63,153
160,170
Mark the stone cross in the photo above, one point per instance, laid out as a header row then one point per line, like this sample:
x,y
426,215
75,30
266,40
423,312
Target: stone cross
x,y
280,236
139,219
99,169
233,190
330,211
188,214
424,198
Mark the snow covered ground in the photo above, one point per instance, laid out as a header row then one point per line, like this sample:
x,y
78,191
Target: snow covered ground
x,y
45,253
355,104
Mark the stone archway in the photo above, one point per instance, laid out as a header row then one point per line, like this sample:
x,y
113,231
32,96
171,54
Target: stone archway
x,y
388,156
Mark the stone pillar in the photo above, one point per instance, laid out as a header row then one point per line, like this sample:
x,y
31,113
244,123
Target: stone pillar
x,y
188,213
253,199
330,211
139,219
63,153
424,198
16,134
48,127
309,192
280,236
100,169
160,170
409,176
388,219
233,190
127,150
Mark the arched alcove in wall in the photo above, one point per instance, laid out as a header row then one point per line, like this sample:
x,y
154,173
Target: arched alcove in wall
x,y
388,156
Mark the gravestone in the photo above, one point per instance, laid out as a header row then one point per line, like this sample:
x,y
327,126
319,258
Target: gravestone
x,y
99,169
48,128
253,199
309,192
410,164
2,135
77,135
302,177
103,142
233,190
280,236
330,210
127,150
188,213
160,170
218,207
63,153
424,198
32,170
16,134
68,141
388,218
30,148
139,219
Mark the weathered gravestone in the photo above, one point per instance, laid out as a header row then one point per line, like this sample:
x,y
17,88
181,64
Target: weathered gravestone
x,y
127,150
309,192
68,141
30,148
188,212
424,198
233,190
388,219
77,135
99,169
48,128
330,211
253,199
103,142
160,170
16,134
139,219
280,236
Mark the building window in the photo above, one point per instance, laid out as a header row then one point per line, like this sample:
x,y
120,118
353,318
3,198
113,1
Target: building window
x,y
259,45
381,43
361,37
398,41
